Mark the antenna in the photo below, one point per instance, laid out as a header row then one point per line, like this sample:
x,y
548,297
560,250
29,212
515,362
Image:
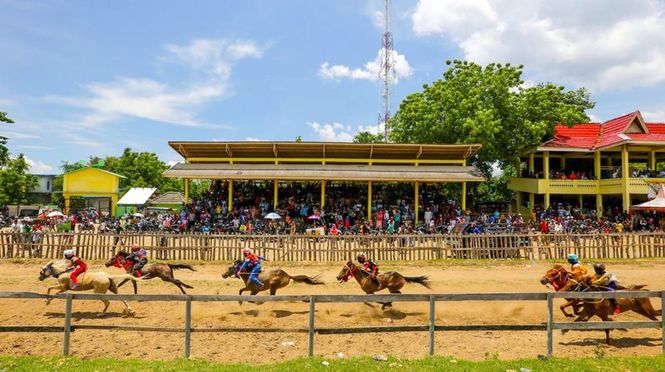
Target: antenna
x,y
387,70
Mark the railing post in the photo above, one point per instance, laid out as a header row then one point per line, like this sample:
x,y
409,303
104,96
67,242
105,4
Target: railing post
x,y
432,323
662,319
550,319
312,301
68,325
188,326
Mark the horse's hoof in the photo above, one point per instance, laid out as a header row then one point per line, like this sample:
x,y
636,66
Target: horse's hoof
x,y
569,316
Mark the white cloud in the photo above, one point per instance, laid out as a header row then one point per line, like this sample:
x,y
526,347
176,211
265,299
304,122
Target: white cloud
x,y
6,102
373,129
38,167
332,132
18,135
655,116
254,139
370,71
210,60
599,44
34,147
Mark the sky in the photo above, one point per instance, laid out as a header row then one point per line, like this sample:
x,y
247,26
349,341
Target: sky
x,y
85,78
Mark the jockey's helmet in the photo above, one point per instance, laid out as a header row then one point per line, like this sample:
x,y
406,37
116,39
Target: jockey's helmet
x,y
599,268
69,253
362,258
573,259
135,247
246,251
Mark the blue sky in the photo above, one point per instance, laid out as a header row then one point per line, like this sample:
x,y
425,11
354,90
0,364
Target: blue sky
x,y
93,77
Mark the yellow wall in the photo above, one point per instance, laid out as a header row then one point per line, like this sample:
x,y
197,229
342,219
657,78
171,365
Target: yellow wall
x,y
91,182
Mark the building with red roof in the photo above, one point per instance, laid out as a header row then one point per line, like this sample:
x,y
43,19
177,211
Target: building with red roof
x,y
593,166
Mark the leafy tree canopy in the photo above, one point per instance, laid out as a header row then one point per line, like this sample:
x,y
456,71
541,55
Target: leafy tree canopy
x,y
15,181
4,151
367,137
489,105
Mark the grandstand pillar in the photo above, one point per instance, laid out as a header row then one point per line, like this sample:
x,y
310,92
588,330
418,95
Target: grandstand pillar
x,y
596,164
323,194
580,199
532,163
546,165
532,201
625,177
563,163
546,200
463,196
599,206
369,201
230,202
416,201
186,190
275,194
652,160
518,200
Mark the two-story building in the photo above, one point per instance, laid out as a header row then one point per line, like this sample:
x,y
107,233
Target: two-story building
x,y
594,166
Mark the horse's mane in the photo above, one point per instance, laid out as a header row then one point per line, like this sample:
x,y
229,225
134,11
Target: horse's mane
x,y
58,265
358,268
122,253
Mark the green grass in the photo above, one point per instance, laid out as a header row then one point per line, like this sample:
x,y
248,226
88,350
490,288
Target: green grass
x,y
633,364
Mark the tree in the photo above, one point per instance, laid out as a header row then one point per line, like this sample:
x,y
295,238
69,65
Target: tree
x,y
367,137
488,105
141,169
4,151
16,182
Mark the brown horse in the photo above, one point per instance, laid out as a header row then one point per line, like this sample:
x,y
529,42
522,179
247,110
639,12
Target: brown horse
x,y
99,282
272,280
603,308
150,271
558,277
391,280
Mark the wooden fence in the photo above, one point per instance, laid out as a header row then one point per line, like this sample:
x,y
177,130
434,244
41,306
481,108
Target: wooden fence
x,y
432,327
91,245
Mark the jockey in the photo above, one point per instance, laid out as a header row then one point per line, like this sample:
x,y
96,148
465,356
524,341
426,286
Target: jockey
x,y
140,258
253,263
77,265
576,269
607,282
368,265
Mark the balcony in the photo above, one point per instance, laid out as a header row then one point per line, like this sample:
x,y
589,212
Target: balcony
x,y
585,187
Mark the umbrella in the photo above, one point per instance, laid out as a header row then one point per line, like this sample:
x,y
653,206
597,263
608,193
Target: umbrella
x,y
55,214
314,217
139,215
272,216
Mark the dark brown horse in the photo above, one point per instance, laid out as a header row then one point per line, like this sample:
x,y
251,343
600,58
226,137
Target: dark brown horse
x,y
391,280
272,280
150,271
558,277
603,308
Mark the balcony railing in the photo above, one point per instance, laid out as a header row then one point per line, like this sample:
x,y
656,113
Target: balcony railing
x,y
587,187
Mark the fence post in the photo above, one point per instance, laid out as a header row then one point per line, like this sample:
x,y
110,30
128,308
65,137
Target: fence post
x,y
432,325
550,317
662,319
312,301
188,326
68,325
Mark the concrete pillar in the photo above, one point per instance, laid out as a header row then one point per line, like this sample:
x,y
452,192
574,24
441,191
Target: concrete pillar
x,y
416,200
532,162
563,163
596,164
275,194
518,199
186,190
532,201
369,201
323,194
463,196
230,202
599,205
652,160
580,200
546,165
546,200
625,177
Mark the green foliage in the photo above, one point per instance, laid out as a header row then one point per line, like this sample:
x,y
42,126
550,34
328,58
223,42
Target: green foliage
x,y
367,137
496,187
298,139
15,181
33,363
487,105
4,151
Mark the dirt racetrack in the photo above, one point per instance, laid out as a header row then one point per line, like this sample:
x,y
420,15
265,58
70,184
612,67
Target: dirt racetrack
x,y
268,347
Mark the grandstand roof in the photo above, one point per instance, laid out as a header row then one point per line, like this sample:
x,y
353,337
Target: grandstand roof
x,y
195,151
328,172
626,129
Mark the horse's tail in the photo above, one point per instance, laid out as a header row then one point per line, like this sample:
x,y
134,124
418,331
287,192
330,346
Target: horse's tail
x,y
422,280
124,276
312,280
181,266
635,287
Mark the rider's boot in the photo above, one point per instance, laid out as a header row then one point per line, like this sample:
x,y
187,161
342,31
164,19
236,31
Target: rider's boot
x,y
75,286
256,281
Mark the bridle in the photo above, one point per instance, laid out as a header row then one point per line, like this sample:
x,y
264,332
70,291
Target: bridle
x,y
350,271
558,281
51,272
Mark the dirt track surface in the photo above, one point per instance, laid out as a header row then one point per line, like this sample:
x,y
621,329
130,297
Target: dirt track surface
x,y
267,347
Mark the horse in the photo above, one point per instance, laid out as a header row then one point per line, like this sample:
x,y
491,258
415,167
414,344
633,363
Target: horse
x,y
391,280
603,308
558,277
98,281
272,280
150,271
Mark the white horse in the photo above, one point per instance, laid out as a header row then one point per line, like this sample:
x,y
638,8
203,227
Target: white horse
x,y
98,281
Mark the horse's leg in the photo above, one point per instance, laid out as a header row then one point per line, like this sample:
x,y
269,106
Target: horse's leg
x,y
605,318
583,317
49,289
240,293
273,290
567,304
136,288
123,282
